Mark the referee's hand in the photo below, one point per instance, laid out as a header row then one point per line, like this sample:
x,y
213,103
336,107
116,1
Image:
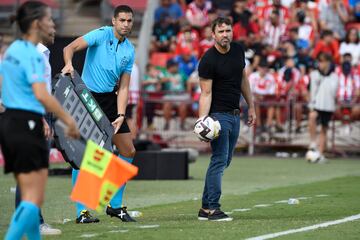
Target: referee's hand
x,y
117,123
47,130
68,68
72,130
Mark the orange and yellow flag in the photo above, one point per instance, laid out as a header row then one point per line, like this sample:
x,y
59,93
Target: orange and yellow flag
x,y
101,174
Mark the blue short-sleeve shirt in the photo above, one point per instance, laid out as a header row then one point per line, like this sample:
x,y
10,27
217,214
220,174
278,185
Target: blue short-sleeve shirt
x,y
106,59
22,66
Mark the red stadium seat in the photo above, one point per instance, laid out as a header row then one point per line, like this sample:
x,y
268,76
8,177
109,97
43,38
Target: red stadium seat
x,y
160,58
353,25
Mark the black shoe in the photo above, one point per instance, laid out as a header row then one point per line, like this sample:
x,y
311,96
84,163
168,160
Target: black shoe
x,y
85,217
219,216
202,215
120,213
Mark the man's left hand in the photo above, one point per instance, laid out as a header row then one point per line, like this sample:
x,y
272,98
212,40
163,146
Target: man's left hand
x,y
117,123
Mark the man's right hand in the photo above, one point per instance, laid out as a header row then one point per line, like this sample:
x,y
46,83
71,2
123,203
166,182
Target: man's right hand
x,y
68,68
72,130
251,117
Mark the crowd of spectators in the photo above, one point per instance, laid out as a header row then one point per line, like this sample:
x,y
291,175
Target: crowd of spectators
x,y
282,40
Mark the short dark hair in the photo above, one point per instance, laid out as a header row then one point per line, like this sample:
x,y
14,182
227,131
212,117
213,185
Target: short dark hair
x,y
347,55
28,12
294,29
148,66
276,12
324,56
124,9
326,32
171,62
219,21
263,62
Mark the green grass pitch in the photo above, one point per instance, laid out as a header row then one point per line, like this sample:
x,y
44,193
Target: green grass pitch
x,y
170,208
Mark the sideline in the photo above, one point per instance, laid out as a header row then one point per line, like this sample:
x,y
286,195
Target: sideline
x,y
304,229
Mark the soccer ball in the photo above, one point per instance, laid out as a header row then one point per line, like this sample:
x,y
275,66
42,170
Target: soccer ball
x,y
312,156
207,128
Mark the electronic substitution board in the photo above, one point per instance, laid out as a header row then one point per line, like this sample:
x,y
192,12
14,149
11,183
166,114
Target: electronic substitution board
x,y
93,124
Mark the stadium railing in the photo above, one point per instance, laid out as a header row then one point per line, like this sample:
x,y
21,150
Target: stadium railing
x,y
338,141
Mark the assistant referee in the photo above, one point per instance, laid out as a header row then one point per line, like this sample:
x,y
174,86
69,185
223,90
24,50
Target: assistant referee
x,y
25,98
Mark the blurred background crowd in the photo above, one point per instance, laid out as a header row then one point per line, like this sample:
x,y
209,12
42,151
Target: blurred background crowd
x,y
282,40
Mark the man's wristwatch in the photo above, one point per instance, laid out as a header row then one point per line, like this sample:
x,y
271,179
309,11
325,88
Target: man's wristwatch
x,y
121,115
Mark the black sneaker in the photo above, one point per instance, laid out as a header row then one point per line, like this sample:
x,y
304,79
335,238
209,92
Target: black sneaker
x,y
202,215
120,213
219,216
85,217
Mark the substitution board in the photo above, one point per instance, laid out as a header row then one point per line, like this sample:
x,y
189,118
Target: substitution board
x,y
93,124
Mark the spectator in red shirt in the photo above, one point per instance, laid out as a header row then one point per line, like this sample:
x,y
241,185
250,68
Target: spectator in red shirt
x,y
245,28
197,13
348,95
300,7
327,44
263,87
207,42
274,30
188,43
265,13
288,77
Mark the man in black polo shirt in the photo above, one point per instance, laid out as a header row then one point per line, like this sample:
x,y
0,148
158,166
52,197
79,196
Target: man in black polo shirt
x,y
222,81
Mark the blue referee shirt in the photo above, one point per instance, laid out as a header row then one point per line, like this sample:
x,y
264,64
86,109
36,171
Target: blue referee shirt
x,y
106,59
22,66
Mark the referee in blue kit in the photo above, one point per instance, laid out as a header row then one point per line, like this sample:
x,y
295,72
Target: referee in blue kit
x,y
108,64
25,98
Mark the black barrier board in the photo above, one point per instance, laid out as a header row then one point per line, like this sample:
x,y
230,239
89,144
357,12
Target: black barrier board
x,y
93,124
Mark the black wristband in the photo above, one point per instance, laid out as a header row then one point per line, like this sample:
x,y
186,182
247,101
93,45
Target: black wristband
x,y
121,115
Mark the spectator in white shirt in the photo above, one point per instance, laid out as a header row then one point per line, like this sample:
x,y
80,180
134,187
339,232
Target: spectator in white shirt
x,y
263,87
351,45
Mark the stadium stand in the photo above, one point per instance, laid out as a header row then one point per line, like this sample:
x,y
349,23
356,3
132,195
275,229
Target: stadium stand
x,y
7,8
271,31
